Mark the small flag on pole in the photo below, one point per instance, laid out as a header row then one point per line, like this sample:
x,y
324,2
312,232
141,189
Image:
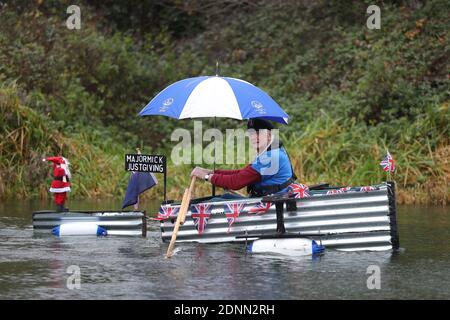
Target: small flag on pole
x,y
139,182
387,163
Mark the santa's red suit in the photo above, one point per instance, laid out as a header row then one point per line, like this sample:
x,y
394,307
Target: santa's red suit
x,y
61,180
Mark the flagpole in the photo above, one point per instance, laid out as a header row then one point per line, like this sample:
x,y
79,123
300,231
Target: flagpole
x,y
214,163
214,151
136,205
388,166
390,171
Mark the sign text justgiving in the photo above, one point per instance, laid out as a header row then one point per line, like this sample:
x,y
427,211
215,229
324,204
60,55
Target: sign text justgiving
x,y
145,163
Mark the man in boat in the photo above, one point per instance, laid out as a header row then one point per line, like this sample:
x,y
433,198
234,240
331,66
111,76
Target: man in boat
x,y
271,172
61,181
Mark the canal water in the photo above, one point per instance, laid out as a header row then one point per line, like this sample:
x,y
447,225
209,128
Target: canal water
x,y
40,266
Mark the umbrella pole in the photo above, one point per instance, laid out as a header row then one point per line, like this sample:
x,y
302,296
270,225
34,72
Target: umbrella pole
x,y
213,191
214,163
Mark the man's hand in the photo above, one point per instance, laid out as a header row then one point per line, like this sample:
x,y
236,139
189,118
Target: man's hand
x,y
200,172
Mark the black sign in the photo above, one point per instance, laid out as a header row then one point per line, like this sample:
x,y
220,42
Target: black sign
x,y
145,163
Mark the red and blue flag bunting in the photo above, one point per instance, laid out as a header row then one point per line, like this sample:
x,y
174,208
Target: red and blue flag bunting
x,y
167,211
201,216
259,208
367,188
340,190
299,190
234,211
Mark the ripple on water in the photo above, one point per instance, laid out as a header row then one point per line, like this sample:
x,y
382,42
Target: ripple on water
x,y
34,266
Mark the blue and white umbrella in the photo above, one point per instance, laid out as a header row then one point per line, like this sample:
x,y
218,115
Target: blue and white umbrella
x,y
214,96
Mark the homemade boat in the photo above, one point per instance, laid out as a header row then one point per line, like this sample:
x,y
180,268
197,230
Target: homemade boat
x,y
349,219
120,223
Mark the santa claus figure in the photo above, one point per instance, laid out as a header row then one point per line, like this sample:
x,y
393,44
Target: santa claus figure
x,y
61,181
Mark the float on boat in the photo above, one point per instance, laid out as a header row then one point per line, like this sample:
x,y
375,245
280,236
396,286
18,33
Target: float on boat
x,y
348,219
119,223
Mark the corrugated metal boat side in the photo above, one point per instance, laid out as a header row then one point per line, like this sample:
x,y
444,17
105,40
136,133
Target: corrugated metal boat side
x,y
353,221
126,223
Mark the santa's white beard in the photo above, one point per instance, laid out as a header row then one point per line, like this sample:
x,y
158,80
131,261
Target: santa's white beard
x,y
65,166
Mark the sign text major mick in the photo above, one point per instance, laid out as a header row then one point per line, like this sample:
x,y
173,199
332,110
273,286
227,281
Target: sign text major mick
x,y
145,163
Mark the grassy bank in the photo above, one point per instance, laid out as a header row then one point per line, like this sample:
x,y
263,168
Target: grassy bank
x,y
27,136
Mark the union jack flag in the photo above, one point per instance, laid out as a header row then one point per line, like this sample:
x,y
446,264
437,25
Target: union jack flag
x,y
387,163
167,212
235,210
340,190
201,216
260,208
367,189
334,191
299,190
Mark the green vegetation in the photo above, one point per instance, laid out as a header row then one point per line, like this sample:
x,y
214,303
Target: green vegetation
x,y
28,136
351,92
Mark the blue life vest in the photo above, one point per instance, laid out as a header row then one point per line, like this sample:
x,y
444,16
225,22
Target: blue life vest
x,y
276,172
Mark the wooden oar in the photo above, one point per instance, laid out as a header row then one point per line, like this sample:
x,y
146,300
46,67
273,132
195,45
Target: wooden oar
x,y
181,217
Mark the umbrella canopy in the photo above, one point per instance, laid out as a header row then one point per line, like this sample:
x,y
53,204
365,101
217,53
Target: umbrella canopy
x,y
214,96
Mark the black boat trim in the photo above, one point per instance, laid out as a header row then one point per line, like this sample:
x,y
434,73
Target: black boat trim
x,y
393,215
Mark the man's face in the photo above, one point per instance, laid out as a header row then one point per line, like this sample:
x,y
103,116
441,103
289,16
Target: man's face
x,y
260,139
